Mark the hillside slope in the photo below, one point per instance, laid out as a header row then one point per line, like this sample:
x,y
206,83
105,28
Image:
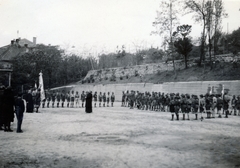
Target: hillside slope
x,y
220,72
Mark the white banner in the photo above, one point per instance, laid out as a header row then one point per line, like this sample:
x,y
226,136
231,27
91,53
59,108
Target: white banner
x,y
41,87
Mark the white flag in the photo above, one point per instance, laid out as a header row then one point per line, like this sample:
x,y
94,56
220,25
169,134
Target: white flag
x,y
223,90
41,87
210,92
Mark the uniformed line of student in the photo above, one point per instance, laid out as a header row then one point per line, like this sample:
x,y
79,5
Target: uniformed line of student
x,y
73,99
103,99
209,104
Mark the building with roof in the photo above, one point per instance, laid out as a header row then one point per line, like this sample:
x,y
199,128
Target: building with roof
x,y
8,52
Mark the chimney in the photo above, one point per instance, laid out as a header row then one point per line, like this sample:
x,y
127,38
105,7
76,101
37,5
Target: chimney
x,y
12,42
34,40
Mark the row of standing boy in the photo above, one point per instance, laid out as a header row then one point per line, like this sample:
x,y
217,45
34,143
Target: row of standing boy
x,y
73,98
184,103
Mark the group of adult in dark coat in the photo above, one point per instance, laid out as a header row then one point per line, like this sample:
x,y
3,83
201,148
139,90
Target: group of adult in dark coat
x,y
6,108
33,100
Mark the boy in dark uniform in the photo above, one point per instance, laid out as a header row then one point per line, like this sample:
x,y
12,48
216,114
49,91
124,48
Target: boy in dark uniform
x,y
63,97
72,96
177,105
108,99
219,105
104,99
68,98
183,103
195,106
123,99
238,105
100,98
53,97
112,98
83,98
58,96
189,104
95,99
201,105
44,100
208,106
226,101
233,103
171,105
48,97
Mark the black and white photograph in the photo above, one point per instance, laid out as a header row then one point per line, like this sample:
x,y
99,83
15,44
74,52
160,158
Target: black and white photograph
x,y
119,84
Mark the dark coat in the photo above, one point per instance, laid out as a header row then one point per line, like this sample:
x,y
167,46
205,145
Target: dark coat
x,y
8,106
1,105
19,106
29,100
88,107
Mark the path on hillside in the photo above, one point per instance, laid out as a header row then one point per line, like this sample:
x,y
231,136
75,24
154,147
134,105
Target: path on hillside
x,y
119,137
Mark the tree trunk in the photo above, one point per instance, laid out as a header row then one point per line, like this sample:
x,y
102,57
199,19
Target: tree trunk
x,y
185,60
202,57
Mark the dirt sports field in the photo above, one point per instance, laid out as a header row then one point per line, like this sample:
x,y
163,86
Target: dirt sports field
x,y
117,137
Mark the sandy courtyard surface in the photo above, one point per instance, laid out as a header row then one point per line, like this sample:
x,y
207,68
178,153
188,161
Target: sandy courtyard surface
x,y
117,137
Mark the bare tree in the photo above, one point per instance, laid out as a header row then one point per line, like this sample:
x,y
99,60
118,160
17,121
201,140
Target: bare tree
x,y
164,24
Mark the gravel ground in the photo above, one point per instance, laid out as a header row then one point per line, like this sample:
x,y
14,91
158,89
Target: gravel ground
x,y
117,137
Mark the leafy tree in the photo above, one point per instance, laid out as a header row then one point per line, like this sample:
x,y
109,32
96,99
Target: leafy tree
x,y
183,45
233,41
58,69
209,14
198,8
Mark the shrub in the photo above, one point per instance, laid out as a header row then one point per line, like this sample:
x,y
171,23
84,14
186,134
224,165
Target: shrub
x,y
158,72
136,73
121,78
113,78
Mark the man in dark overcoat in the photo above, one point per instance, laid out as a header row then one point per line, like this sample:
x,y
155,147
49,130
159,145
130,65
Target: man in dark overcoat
x,y
88,105
1,102
29,101
8,109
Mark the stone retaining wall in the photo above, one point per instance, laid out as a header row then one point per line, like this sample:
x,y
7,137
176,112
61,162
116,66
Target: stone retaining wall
x,y
196,87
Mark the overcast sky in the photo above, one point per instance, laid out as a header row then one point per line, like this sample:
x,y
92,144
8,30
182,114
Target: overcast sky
x,y
94,25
